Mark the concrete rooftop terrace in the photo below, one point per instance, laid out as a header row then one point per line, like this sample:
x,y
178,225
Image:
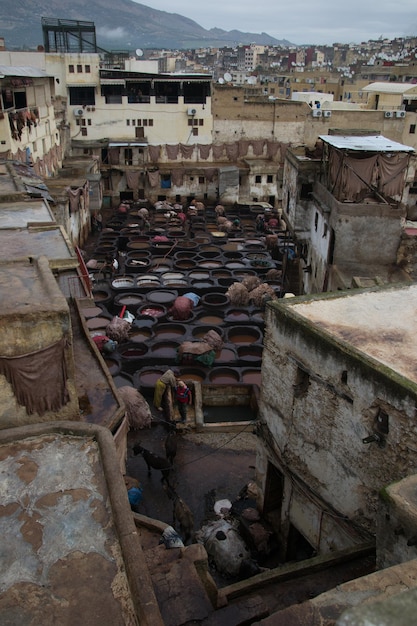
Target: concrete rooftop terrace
x,y
70,549
380,323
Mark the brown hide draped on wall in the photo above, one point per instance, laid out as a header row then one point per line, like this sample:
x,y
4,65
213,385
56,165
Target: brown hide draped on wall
x,y
38,379
351,176
153,178
391,173
177,177
186,150
154,152
172,151
204,150
132,178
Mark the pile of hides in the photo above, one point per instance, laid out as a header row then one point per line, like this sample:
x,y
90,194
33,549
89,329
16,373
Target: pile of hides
x,y
226,549
138,412
250,291
262,294
118,329
238,294
251,282
203,351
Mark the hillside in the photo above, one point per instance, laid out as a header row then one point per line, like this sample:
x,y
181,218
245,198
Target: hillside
x,y
125,25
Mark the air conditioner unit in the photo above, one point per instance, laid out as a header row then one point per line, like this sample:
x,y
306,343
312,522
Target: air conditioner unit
x,y
191,111
316,112
400,114
389,114
78,111
327,113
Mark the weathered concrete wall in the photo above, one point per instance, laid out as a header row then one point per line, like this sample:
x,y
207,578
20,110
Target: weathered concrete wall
x,y
319,400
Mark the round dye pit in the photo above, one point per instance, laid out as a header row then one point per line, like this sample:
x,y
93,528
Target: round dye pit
x,y
215,300
133,351
170,331
193,374
199,331
162,296
146,378
156,311
140,335
123,283
166,350
224,376
128,300
209,319
237,315
252,377
196,275
244,335
101,295
203,284
225,355
250,354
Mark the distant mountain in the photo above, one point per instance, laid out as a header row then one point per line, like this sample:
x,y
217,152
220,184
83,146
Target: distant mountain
x,y
121,25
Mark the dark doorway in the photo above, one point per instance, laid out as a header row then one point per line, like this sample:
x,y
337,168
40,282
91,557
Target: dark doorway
x,y
298,548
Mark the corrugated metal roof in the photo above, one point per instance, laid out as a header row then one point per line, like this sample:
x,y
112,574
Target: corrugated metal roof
x,y
27,71
371,143
387,87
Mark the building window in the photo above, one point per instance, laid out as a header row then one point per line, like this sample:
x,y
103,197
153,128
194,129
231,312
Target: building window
x,y
139,122
316,221
79,69
133,122
195,131
82,96
139,132
258,178
412,129
35,146
84,132
269,178
127,122
145,122
201,122
150,122
128,156
71,69
325,230
201,180
87,69
166,181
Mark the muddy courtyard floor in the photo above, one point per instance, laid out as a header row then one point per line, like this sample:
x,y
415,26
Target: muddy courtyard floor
x,y
207,468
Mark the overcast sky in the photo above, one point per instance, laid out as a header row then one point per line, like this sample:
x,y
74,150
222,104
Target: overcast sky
x,y
303,21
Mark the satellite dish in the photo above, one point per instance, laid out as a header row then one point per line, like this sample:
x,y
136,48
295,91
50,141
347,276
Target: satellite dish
x,y
252,80
139,52
227,77
221,81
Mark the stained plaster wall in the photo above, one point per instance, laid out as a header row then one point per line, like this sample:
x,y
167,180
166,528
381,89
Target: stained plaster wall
x,y
319,400
34,316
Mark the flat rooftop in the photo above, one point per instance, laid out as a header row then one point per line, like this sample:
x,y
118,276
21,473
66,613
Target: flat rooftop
x,y
70,548
20,214
50,241
380,323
